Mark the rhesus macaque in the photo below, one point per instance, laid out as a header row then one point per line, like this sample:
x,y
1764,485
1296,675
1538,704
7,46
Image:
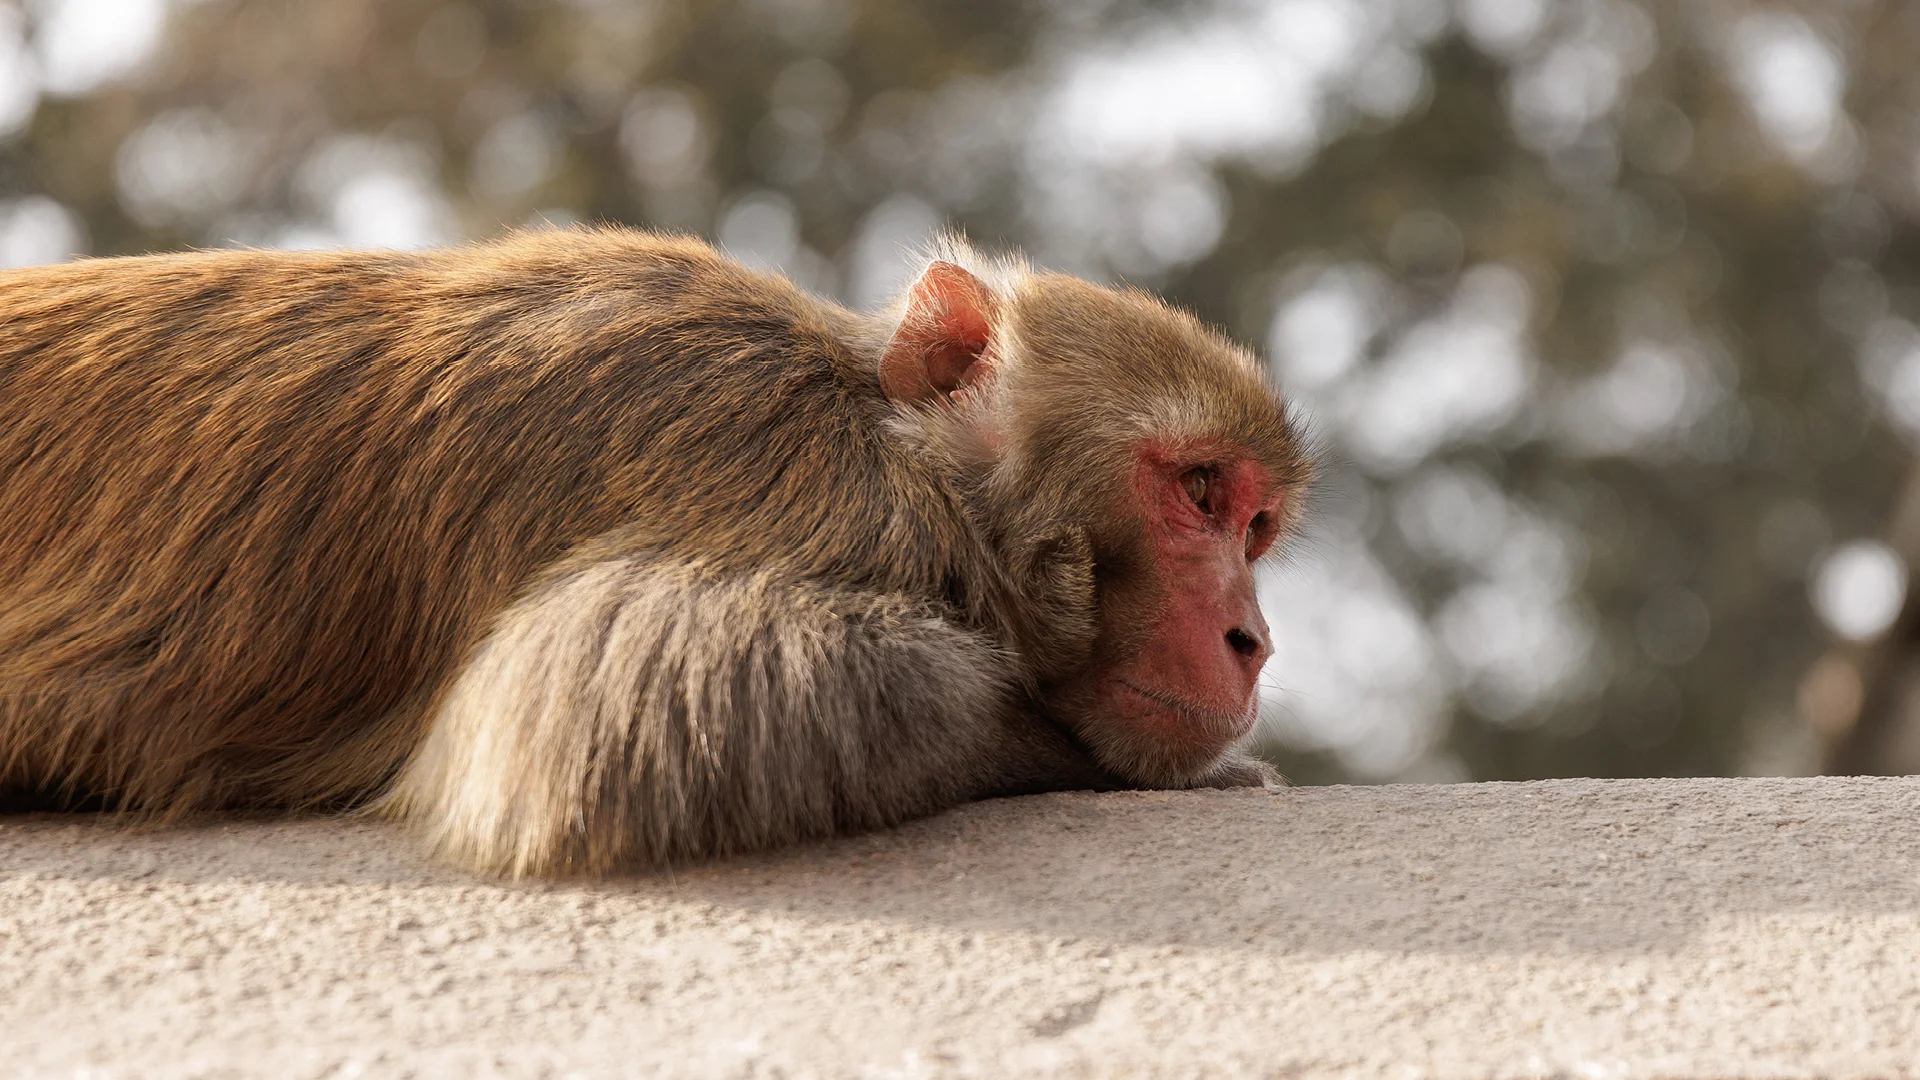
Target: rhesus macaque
x,y
594,550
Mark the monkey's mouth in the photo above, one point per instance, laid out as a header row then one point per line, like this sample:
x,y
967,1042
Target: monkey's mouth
x,y
1195,719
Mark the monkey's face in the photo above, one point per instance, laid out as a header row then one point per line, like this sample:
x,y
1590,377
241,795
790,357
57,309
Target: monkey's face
x,y
1173,680
1165,443
1108,416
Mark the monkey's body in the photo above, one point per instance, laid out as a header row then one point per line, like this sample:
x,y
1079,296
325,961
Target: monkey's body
x,y
583,549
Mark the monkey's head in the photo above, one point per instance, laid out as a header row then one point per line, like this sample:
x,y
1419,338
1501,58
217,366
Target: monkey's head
x,y
1131,467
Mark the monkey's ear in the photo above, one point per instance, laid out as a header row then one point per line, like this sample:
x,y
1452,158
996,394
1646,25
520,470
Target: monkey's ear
x,y
943,333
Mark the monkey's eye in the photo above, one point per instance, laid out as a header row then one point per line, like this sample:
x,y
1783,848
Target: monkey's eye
x,y
1259,533
1196,483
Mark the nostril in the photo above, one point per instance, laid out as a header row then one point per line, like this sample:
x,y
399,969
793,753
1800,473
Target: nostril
x,y
1243,643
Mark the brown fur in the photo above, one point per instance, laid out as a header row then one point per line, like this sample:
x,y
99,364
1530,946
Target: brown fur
x,y
581,549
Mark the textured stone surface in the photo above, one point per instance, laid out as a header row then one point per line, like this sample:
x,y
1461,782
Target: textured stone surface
x,y
1577,928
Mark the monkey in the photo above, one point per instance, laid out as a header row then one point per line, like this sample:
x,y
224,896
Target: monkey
x,y
592,550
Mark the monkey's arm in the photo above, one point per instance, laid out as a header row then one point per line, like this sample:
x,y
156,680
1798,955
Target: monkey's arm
x,y
634,712
1239,769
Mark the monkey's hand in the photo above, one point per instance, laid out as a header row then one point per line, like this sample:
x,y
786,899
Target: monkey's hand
x,y
1237,769
635,711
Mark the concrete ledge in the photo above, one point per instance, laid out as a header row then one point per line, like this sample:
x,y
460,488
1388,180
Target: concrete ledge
x,y
1578,928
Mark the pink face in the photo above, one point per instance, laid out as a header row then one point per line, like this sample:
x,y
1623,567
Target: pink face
x,y
1191,686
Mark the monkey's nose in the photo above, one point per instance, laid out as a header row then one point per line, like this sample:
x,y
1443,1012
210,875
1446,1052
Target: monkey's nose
x,y
1251,644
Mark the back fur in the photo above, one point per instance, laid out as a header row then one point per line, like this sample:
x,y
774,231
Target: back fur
x,y
258,505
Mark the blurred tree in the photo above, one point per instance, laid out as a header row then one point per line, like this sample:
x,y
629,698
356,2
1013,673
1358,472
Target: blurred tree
x,y
1603,311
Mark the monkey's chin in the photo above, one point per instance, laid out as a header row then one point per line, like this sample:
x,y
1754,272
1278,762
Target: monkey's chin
x,y
1158,738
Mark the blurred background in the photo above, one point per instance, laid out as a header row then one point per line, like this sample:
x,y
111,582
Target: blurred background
x,y
1603,312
